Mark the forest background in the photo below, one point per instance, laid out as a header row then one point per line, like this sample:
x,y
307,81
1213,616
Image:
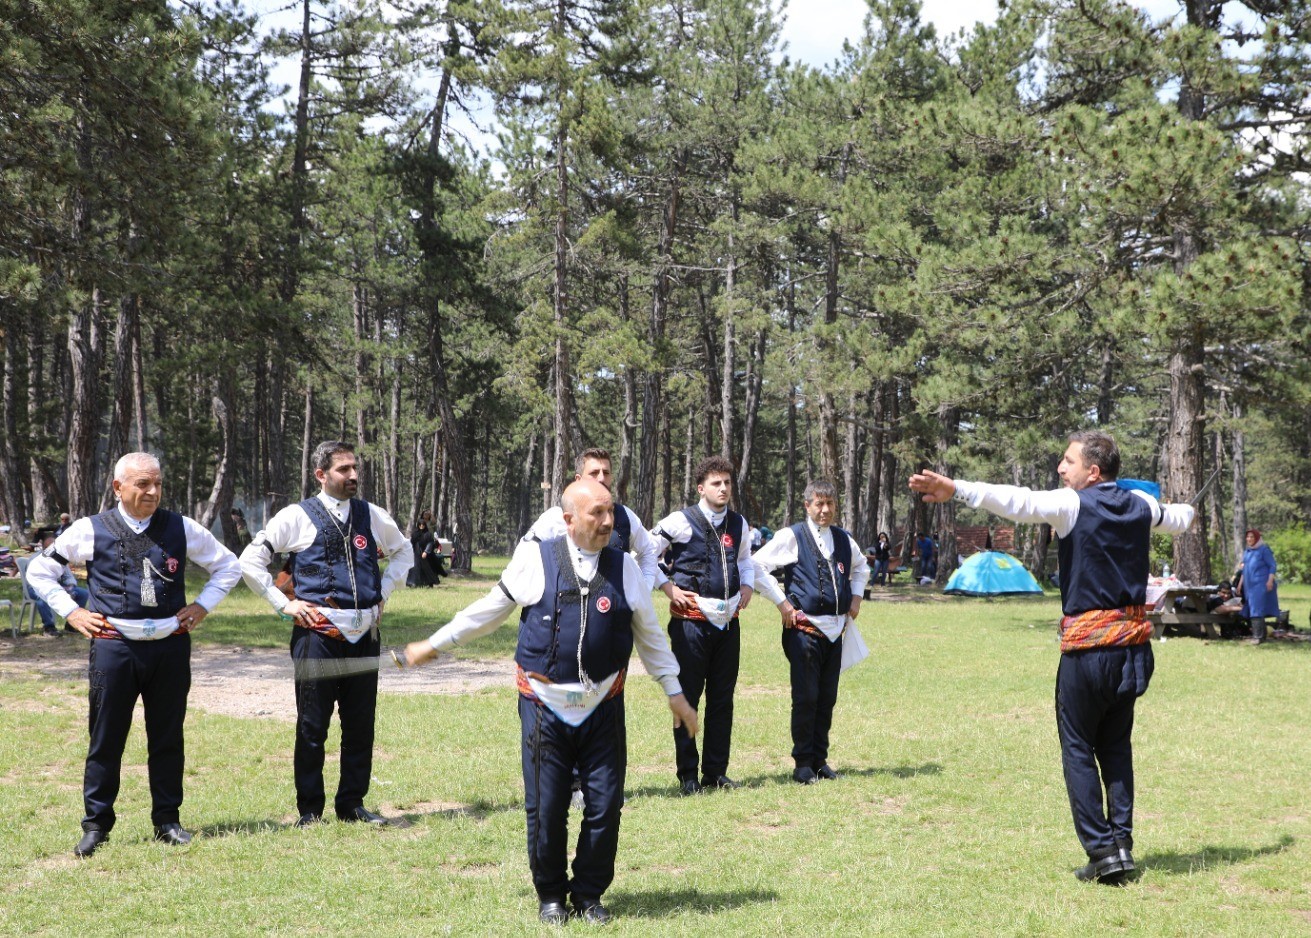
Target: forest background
x,y
942,251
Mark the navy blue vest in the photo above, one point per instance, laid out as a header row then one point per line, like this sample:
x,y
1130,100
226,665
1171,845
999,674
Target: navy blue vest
x,y
809,582
116,567
1105,559
320,571
698,566
622,533
549,629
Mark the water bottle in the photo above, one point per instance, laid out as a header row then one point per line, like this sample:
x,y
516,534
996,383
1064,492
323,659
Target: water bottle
x,y
1165,572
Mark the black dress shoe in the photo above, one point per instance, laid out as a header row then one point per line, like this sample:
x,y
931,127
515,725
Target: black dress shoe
x,y
309,819
1108,870
1126,863
90,842
689,786
591,911
718,781
552,912
822,771
804,775
363,815
172,834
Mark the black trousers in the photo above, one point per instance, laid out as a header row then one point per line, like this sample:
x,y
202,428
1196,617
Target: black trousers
x,y
329,671
119,671
552,750
707,660
1095,695
816,666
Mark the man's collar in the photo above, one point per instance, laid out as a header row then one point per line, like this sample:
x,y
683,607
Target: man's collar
x,y
331,501
134,522
705,507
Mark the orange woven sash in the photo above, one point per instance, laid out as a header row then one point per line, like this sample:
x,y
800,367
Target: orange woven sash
x,y
526,689
1106,628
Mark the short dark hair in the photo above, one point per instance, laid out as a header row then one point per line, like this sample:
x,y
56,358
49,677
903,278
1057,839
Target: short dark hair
x,y
326,451
821,488
716,464
594,453
1099,450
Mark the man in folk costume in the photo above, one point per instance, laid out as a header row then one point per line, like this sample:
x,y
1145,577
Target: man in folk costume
x,y
338,592
139,622
629,534
585,607
1106,656
712,580
824,576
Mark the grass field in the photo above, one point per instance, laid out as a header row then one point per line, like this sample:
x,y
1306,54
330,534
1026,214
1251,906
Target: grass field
x,y
950,818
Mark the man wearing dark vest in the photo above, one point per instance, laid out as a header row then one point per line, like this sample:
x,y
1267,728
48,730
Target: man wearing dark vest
x,y
824,576
339,590
1106,655
629,534
585,608
711,582
138,620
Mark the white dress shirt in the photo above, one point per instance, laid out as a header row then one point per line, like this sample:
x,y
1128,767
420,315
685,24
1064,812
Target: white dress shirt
x,y
1059,507
292,531
77,545
551,524
782,550
524,580
676,529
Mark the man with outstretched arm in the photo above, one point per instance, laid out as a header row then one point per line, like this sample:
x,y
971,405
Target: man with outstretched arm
x,y
1106,653
585,607
824,576
338,591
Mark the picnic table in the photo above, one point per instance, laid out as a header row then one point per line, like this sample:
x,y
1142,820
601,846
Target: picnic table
x,y
1182,604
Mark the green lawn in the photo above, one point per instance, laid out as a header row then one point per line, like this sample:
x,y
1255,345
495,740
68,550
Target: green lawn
x,y
951,818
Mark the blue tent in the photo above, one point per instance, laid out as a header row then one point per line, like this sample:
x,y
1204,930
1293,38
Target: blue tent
x,y
991,573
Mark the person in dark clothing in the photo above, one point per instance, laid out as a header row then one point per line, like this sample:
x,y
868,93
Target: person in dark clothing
x,y
1106,653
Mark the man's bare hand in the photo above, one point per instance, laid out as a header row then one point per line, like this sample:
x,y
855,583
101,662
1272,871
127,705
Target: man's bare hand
x,y
416,653
88,623
680,600
191,616
684,715
788,613
744,598
854,609
301,612
935,488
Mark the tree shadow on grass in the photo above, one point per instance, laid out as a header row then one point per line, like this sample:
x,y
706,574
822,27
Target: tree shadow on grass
x,y
663,903
478,810
1176,863
785,778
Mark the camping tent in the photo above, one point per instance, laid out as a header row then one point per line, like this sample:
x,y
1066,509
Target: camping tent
x,y
991,573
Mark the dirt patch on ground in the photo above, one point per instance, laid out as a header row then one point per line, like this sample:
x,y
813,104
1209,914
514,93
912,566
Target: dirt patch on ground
x,y
255,682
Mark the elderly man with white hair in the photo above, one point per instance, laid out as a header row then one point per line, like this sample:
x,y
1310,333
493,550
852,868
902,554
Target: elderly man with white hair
x,y
138,620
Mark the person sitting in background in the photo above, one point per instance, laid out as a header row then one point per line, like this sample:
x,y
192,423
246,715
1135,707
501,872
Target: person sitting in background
x,y
67,581
8,565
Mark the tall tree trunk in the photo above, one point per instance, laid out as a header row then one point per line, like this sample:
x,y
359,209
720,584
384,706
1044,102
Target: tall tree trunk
x,y
644,498
359,310
1239,466
851,459
948,432
299,193
887,516
120,419
729,362
219,504
392,456
561,468
750,414
628,437
307,444
84,359
1213,503
46,498
15,505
